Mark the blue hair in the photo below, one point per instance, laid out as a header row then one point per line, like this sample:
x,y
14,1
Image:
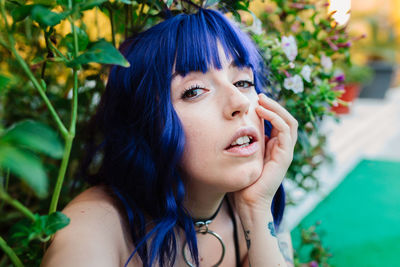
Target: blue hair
x,y
143,139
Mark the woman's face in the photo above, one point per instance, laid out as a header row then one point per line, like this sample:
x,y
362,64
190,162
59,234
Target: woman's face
x,y
224,147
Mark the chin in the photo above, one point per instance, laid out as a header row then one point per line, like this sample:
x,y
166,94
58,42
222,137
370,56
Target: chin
x,y
245,176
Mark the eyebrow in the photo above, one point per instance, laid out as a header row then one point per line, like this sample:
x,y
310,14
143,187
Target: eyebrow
x,y
232,65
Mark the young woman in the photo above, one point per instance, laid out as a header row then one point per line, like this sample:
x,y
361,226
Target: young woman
x,y
193,156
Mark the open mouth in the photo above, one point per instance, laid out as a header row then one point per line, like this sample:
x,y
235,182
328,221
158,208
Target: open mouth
x,y
241,142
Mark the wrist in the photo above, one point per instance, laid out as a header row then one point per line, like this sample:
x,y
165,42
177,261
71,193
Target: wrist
x,y
254,214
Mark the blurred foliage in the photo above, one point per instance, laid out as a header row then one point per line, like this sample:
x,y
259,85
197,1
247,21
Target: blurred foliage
x,y
54,64
312,252
303,46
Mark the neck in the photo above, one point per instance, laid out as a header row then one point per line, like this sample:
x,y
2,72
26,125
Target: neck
x,y
202,204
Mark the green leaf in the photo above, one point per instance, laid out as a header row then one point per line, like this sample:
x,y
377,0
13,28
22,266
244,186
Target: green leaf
x,y
83,40
45,17
21,12
37,60
125,1
35,136
55,222
26,166
46,2
4,81
101,52
25,230
169,3
211,3
90,4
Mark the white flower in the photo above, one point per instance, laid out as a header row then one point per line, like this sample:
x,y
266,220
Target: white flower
x,y
289,47
326,63
256,27
294,83
291,65
306,73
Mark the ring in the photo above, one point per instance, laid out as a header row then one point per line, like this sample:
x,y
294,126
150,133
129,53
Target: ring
x,y
213,234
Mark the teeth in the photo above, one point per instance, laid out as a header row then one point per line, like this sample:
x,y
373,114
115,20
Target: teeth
x,y
242,140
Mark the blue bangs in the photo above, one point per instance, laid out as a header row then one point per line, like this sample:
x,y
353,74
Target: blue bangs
x,y
198,40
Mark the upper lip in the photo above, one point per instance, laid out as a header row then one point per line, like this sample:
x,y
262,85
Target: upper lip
x,y
243,131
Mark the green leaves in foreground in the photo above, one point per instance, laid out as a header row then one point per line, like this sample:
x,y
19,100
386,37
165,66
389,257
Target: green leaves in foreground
x,y
17,145
39,13
26,231
100,52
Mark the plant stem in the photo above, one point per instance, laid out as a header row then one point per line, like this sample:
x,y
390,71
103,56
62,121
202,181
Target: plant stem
x,y
10,253
110,11
3,43
4,187
61,174
71,134
27,70
16,204
58,52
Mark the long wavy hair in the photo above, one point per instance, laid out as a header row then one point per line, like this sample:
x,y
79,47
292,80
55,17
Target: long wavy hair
x,y
142,139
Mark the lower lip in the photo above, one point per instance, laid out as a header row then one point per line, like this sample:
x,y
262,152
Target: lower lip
x,y
243,151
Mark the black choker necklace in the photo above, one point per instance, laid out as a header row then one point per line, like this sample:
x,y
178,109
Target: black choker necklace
x,y
202,228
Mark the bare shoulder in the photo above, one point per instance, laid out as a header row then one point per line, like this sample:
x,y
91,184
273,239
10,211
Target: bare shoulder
x,y
96,236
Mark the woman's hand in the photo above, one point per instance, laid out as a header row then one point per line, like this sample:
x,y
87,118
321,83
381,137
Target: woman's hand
x,y
278,154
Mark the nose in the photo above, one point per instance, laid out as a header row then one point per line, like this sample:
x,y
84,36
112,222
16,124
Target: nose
x,y
237,103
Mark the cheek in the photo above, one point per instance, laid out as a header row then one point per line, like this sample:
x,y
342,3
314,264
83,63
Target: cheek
x,y
199,141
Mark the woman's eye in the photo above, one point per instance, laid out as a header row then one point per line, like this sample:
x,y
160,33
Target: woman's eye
x,y
243,84
192,93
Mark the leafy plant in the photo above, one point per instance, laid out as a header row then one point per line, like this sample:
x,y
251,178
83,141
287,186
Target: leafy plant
x,y
358,74
311,245
302,46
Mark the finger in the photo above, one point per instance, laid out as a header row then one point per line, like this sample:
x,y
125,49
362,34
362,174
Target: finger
x,y
270,146
279,124
274,106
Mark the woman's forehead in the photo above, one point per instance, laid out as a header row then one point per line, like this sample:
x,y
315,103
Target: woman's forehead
x,y
231,65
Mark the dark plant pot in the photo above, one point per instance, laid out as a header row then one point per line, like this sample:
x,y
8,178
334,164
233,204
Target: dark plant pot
x,y
383,73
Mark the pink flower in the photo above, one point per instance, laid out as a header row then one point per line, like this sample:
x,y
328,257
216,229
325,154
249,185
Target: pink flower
x,y
347,44
289,47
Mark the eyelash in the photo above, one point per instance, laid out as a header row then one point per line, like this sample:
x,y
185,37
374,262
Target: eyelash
x,y
197,87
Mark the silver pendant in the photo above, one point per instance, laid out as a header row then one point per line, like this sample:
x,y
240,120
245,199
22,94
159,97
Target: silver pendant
x,y
203,229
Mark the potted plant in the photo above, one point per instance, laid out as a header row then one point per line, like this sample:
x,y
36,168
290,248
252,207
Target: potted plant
x,y
354,76
381,53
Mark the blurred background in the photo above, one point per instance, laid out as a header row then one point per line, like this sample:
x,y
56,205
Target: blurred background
x,y
356,210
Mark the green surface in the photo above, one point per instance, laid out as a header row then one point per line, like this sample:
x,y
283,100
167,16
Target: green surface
x,y
360,219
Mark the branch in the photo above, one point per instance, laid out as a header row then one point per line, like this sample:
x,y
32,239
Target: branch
x,y
16,204
71,132
10,253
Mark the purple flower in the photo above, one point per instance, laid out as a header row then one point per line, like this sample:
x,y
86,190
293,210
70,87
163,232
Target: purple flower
x,y
347,44
340,78
289,47
313,264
